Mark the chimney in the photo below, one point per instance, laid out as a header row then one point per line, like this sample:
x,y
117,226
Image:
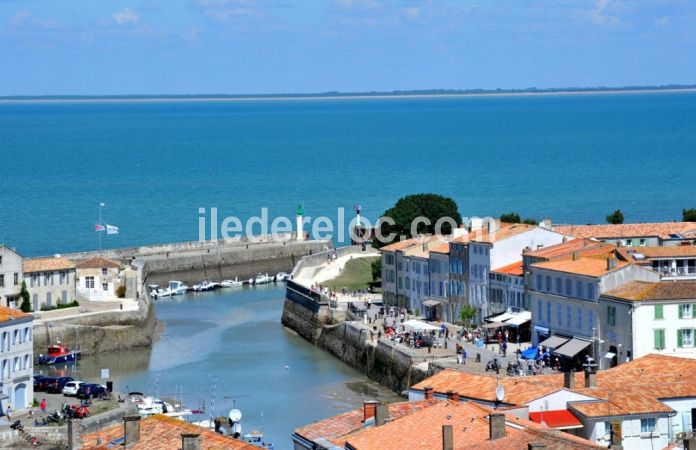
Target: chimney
x,y
496,426
454,396
381,414
447,438
74,434
565,239
536,446
369,409
569,380
131,430
611,263
590,377
190,441
428,392
576,256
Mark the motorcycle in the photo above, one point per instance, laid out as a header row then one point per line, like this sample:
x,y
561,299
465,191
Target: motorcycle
x,y
17,425
56,417
514,368
493,365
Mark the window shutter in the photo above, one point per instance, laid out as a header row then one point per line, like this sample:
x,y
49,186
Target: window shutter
x,y
679,338
681,313
659,314
656,339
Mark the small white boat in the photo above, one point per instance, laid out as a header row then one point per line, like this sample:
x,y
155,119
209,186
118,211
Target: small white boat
x,y
175,288
206,285
231,283
148,406
282,276
156,291
261,279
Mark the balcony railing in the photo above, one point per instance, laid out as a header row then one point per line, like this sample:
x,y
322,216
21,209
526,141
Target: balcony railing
x,y
676,271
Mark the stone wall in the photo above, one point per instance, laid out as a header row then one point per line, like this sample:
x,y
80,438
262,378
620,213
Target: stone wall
x,y
95,333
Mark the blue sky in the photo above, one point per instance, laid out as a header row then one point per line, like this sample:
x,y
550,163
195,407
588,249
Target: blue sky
x,y
284,46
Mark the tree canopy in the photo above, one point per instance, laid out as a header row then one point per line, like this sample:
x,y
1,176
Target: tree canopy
x,y
513,217
26,302
689,215
407,209
616,217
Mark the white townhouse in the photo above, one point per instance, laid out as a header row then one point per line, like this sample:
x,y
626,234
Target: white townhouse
x,y
10,276
16,359
564,298
50,281
650,317
673,262
97,279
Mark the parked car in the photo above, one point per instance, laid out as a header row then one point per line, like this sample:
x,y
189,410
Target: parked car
x,y
90,390
41,383
71,387
55,386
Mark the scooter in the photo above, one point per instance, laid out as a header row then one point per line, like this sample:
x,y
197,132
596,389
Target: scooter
x,y
493,365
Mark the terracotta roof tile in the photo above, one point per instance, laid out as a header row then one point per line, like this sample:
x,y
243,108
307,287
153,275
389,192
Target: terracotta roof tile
x,y
662,290
11,314
47,264
97,263
505,231
590,266
584,247
628,230
163,433
511,269
665,251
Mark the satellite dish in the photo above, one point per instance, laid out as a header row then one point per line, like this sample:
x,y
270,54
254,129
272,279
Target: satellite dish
x,y
235,415
500,393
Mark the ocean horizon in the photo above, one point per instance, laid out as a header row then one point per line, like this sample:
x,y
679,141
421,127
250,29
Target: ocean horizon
x,y
570,158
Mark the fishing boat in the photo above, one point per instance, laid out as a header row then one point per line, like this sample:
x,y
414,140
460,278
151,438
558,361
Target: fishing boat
x,y
261,279
231,283
59,353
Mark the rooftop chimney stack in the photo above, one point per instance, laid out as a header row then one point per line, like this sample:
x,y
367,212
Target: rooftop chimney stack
x,y
576,256
381,414
569,380
590,377
191,441
447,438
369,409
131,430
428,392
454,396
496,426
611,263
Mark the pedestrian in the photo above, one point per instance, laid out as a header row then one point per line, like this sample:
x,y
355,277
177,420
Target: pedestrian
x,y
42,405
8,413
31,411
463,356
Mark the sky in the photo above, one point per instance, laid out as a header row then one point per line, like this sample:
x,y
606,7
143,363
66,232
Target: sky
x,y
88,47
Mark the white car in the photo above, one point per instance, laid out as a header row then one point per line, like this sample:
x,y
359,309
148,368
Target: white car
x,y
71,387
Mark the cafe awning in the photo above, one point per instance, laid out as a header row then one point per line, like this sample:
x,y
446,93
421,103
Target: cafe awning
x,y
501,317
420,326
554,342
493,325
431,302
572,347
519,319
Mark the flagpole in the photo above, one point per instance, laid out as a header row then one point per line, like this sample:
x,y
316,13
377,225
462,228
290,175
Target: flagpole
x,y
100,224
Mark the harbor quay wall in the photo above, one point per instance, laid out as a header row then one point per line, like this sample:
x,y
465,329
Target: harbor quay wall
x,y
350,342
103,332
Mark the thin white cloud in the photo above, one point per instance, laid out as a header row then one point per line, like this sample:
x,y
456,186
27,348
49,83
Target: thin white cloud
x,y
126,15
661,22
190,35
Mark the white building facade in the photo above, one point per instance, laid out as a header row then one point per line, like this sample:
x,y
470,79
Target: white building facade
x,y
50,281
16,359
10,276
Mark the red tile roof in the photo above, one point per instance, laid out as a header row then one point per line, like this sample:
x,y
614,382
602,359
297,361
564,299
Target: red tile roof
x,y
662,290
584,247
629,230
163,433
590,266
47,264
97,263
506,230
559,419
11,314
511,269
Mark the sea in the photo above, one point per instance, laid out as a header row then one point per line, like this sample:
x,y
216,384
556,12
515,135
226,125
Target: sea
x,y
155,165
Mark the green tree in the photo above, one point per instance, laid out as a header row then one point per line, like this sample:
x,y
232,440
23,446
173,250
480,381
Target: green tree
x,y
512,217
376,269
407,209
530,221
467,313
689,215
26,302
616,217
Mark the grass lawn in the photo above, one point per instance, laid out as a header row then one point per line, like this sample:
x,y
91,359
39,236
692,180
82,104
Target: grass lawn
x,y
356,274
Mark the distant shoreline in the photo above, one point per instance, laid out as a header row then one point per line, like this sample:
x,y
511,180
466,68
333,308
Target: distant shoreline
x,y
332,96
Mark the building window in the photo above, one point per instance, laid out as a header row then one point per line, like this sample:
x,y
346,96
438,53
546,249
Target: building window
x,y
685,311
539,284
659,312
548,312
590,291
685,338
647,425
642,242
659,338
590,320
578,289
540,315
16,279
629,242
569,287
548,284
105,286
568,316
611,315
558,286
2,280
559,314
89,282
579,318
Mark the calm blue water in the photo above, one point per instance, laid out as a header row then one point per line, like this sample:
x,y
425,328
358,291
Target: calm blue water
x,y
571,158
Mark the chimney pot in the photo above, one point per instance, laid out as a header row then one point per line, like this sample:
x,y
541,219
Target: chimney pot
x,y
447,438
496,426
369,409
576,256
381,414
131,430
590,377
428,392
454,396
569,380
190,441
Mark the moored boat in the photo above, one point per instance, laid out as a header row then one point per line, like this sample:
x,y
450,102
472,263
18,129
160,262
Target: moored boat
x,y
59,353
282,276
261,279
231,283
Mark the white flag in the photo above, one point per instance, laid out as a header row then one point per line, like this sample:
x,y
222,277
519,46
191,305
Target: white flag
x,y
110,229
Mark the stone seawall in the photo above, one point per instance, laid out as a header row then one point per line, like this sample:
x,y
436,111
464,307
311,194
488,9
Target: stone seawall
x,y
329,329
96,333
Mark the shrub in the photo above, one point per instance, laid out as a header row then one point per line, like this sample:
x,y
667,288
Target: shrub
x,y
121,291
